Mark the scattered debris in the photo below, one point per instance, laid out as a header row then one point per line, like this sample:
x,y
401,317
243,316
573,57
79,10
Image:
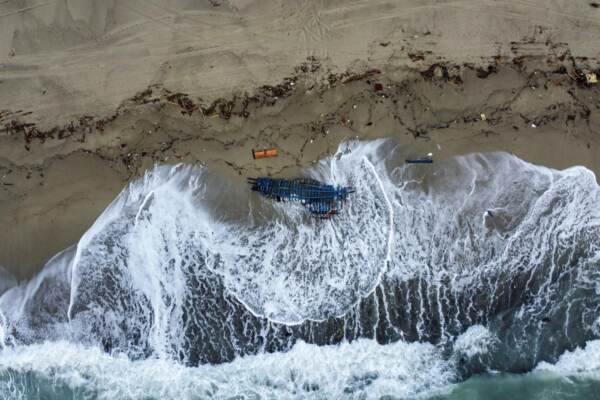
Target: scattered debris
x,y
13,124
442,72
267,153
281,90
311,65
143,97
184,102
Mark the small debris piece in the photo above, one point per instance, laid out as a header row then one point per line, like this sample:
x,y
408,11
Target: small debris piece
x,y
591,78
439,72
370,72
594,4
483,117
578,76
424,160
519,61
384,44
378,86
428,159
184,102
416,56
484,73
256,154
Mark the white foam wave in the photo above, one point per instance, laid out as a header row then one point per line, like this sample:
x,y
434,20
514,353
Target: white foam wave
x,y
279,263
579,361
360,370
475,341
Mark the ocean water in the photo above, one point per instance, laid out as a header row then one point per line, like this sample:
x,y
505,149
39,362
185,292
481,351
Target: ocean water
x,y
474,278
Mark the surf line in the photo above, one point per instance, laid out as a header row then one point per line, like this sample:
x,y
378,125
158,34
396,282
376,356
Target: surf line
x,y
148,198
388,257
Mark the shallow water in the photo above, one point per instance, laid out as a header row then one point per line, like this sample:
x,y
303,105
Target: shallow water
x,y
472,278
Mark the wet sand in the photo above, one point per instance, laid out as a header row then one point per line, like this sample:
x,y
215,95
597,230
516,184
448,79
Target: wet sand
x,y
92,94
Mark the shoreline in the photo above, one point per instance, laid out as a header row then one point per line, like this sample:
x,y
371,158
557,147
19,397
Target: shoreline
x,y
56,184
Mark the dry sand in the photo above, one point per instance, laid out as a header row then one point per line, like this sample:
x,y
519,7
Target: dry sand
x,y
92,93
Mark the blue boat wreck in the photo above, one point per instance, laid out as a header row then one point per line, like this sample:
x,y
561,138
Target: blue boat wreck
x,y
320,199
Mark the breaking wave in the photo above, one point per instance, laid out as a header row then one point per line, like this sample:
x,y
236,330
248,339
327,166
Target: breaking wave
x,y
475,264
362,369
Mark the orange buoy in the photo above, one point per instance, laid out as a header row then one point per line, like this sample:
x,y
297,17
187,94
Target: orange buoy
x,y
264,153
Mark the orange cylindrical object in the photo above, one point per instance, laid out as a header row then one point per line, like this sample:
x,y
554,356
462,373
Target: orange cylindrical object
x,y
264,153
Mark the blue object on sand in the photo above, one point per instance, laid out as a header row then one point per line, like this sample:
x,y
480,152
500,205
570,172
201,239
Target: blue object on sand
x,y
320,199
419,161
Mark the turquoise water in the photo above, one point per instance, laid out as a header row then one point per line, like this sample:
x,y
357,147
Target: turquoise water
x,y
524,387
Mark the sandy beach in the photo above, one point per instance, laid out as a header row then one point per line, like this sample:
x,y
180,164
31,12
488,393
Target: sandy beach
x,y
92,93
